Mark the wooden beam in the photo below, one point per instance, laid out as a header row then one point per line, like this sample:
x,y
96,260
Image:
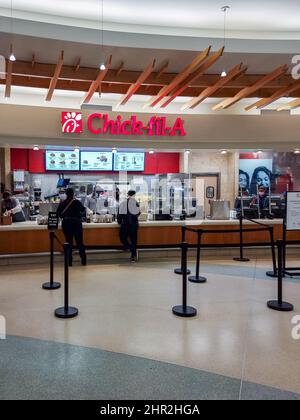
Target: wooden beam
x,y
180,77
251,89
8,79
120,68
285,91
134,88
208,92
55,77
95,84
194,76
162,70
291,105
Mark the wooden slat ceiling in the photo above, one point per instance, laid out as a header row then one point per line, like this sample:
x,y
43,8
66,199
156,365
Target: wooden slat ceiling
x,y
156,81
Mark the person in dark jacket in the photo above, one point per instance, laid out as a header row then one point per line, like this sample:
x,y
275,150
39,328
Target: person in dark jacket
x,y
70,210
11,206
128,218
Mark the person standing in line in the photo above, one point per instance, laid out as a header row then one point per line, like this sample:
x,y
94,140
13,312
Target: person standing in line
x,y
70,211
128,219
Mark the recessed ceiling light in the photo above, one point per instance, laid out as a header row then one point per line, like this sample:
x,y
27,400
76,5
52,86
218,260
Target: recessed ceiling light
x,y
259,151
151,152
36,148
102,67
76,149
224,152
297,151
223,74
187,152
114,150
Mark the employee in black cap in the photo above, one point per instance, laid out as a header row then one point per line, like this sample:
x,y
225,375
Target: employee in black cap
x,y
128,218
70,210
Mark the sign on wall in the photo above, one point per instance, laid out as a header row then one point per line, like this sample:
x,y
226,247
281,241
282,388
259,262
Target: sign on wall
x,y
293,210
101,124
255,173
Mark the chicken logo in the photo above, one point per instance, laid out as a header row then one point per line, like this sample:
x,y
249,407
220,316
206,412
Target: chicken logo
x,y
71,122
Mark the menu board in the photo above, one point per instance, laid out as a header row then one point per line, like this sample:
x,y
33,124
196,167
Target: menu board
x,y
293,211
128,161
62,160
96,161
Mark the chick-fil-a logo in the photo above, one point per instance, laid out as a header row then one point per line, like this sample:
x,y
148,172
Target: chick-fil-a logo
x,y
101,124
71,122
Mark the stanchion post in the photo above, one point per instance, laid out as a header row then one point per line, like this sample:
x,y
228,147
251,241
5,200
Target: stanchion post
x,y
279,305
184,310
273,273
66,311
180,270
241,257
51,285
197,278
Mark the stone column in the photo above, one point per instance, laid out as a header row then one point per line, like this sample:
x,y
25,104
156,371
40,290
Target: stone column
x,y
5,169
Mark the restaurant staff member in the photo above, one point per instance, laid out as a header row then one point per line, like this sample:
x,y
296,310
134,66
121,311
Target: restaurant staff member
x,y
95,201
70,211
12,207
128,218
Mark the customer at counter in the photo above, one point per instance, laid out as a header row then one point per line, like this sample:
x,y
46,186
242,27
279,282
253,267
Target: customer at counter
x,y
128,218
11,206
70,211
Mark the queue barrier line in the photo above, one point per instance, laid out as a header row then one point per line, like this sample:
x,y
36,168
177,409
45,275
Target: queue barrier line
x,y
186,311
66,311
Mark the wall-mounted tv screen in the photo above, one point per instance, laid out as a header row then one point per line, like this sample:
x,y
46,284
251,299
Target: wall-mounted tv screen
x,y
62,160
129,161
96,161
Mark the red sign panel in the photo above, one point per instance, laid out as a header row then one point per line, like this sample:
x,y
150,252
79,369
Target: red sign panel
x,y
71,122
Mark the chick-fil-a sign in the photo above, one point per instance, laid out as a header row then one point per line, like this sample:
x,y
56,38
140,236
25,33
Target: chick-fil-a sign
x,y
101,124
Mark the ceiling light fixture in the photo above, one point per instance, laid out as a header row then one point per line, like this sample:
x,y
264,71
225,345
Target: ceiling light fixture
x,y
114,150
259,151
12,56
76,149
151,152
297,151
224,9
224,152
36,148
187,152
102,64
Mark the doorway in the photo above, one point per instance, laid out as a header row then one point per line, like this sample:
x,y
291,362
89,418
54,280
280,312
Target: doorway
x,y
205,188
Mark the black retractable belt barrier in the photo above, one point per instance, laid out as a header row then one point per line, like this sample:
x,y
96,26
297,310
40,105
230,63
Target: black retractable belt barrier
x,y
279,305
273,273
197,278
184,310
52,285
241,257
66,311
180,270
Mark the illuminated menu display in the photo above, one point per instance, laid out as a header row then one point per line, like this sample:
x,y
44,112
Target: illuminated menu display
x,y
128,161
96,161
62,160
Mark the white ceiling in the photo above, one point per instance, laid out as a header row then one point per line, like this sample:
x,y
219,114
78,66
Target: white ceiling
x,y
256,18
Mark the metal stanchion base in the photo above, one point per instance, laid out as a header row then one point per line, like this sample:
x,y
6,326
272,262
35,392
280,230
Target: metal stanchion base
x,y
185,312
197,279
179,271
272,273
283,306
51,286
69,313
241,259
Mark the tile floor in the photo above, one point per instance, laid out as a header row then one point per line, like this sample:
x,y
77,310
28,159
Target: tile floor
x,y
126,309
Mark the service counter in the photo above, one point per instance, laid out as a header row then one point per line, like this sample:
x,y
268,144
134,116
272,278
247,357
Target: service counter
x,y
30,238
